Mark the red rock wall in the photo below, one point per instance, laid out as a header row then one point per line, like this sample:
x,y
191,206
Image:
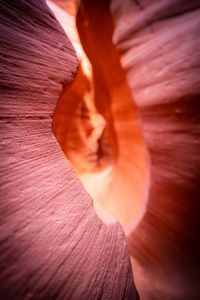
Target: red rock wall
x,y
52,244
160,50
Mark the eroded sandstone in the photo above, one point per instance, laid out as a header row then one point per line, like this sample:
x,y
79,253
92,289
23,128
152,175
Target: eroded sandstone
x,y
53,245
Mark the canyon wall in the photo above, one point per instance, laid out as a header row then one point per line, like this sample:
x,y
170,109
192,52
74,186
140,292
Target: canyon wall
x,y
131,128
159,51
52,243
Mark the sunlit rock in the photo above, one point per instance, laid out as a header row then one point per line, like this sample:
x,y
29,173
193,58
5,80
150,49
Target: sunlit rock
x,y
159,52
98,127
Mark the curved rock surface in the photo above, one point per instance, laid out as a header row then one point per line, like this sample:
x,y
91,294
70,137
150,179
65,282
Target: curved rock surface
x,y
160,53
52,244
97,125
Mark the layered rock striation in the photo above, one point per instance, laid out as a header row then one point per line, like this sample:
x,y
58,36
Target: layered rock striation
x,y
52,243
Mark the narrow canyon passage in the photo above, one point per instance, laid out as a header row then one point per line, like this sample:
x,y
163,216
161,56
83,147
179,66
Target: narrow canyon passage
x,y
98,127
52,243
158,54
100,150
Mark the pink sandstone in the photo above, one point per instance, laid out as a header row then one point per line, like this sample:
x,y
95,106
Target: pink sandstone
x,y
53,245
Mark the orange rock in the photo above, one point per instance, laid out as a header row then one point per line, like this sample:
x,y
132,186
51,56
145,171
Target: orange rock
x,y
158,85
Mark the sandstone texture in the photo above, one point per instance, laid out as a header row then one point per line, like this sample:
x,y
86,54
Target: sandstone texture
x,y
160,51
109,114
52,243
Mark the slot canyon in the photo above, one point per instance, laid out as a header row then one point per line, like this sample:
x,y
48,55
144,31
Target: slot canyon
x,y
100,149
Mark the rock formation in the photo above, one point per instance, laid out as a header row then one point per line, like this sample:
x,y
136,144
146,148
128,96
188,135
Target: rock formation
x,y
97,125
125,111
53,244
159,50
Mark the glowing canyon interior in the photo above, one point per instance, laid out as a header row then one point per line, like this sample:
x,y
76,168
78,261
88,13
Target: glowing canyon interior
x,y
100,149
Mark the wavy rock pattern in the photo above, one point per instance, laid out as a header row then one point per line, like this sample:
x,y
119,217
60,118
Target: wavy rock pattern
x,y
53,245
96,121
159,51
